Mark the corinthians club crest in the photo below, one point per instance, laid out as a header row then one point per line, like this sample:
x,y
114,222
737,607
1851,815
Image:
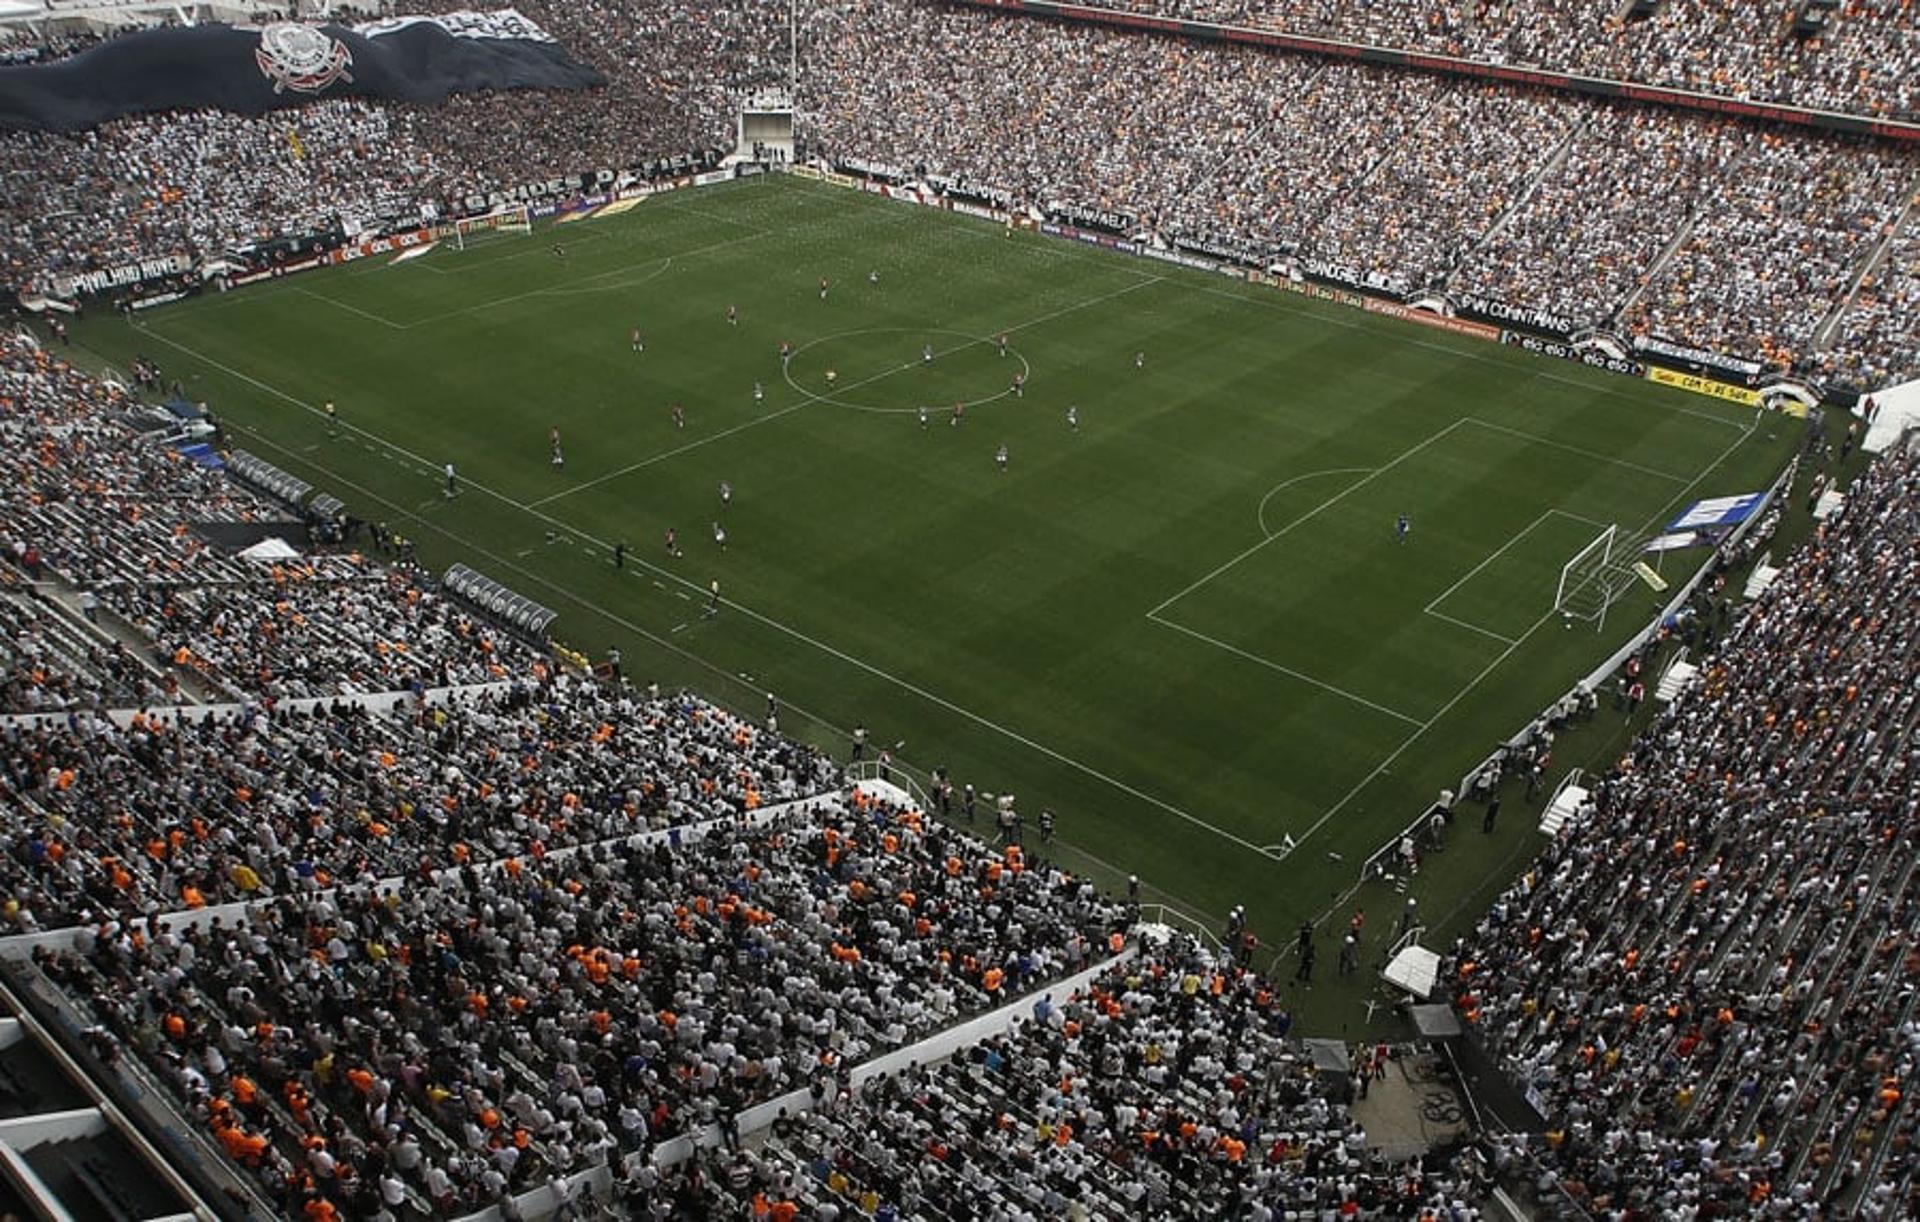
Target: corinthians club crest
x,y
302,58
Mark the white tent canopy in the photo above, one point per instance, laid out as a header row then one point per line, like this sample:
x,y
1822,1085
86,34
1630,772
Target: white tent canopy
x,y
270,550
1897,410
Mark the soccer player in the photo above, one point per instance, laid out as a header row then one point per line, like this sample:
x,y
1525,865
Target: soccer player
x,y
873,277
926,354
333,419
553,443
720,536
786,349
1140,360
1401,528
833,375
453,482
1019,385
673,543
959,410
1000,457
733,316
1073,418
679,416
923,418
639,345
726,493
1003,343
559,251
620,555
713,598
759,393
823,288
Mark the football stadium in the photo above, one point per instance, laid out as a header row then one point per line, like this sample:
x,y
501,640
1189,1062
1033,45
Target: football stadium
x,y
974,610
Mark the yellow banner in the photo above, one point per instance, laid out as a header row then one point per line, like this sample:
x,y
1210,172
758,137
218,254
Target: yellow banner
x,y
620,205
1704,386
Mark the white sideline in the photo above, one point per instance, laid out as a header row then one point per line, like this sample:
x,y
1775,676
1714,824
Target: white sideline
x,y
966,714
641,565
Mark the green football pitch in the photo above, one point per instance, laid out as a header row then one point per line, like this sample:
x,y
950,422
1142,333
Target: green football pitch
x,y
1187,625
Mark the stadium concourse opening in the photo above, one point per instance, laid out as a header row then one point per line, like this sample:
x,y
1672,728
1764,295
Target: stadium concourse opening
x,y
967,657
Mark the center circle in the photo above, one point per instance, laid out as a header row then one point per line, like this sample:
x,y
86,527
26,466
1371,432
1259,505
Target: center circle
x,y
961,366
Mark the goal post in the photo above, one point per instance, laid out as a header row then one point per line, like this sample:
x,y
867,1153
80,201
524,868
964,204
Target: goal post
x,y
1585,590
515,219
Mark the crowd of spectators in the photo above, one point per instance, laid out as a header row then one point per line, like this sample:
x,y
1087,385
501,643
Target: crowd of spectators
x,y
186,810
1561,205
1713,233
1866,62
1647,164
112,513
1167,1088
1713,980
675,70
203,184
48,664
1882,325
475,1034
1761,267
408,963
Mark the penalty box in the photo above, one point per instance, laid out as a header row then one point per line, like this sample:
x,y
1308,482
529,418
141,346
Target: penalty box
x,y
1334,599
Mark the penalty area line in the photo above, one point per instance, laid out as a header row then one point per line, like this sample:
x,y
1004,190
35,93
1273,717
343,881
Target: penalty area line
x,y
1322,684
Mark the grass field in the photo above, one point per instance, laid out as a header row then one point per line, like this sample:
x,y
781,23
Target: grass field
x,y
1187,626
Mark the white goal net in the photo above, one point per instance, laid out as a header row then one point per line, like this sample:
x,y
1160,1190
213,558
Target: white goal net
x,y
1594,578
515,220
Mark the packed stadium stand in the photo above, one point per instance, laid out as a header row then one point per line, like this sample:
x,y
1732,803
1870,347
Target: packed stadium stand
x,y
409,918
1719,971
1857,58
1758,243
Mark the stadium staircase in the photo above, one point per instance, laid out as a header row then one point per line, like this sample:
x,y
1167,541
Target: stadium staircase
x,y
1676,678
1869,264
1566,802
1680,238
1549,167
1764,574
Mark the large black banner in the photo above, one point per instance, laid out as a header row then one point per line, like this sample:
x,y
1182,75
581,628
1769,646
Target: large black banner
x,y
254,69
